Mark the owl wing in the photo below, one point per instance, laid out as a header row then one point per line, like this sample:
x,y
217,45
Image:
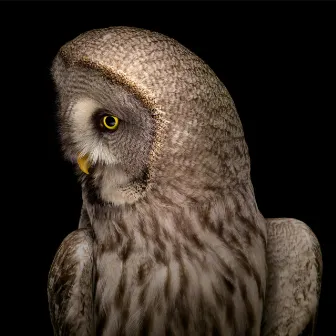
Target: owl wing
x,y
70,285
294,263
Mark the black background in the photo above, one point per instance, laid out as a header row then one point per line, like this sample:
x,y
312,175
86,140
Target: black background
x,y
277,61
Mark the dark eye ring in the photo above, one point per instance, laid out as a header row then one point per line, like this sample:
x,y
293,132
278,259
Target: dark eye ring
x,y
110,122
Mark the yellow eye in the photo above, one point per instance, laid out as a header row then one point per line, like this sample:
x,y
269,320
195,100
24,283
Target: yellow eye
x,y
110,122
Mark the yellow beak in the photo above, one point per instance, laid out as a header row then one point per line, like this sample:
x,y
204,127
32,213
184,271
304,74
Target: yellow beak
x,y
83,163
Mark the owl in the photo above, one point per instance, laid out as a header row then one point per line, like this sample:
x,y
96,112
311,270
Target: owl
x,y
170,239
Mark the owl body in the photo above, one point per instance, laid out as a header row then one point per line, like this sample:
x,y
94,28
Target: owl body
x,y
153,278
170,239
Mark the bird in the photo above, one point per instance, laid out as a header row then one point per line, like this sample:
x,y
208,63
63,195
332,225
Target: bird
x,y
170,239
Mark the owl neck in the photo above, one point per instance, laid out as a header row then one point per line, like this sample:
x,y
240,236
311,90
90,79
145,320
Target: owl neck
x,y
172,214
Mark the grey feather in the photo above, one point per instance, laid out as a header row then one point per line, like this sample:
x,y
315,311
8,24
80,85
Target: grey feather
x,y
294,278
70,286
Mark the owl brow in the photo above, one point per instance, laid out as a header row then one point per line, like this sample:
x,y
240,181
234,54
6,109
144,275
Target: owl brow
x,y
102,111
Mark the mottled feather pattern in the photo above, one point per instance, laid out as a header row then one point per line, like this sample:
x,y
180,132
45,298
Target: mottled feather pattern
x,y
178,245
170,262
294,278
70,285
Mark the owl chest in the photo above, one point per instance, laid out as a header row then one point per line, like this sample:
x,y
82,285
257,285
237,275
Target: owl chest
x,y
190,293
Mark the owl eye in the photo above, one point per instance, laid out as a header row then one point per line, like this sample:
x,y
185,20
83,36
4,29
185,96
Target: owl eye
x,y
110,122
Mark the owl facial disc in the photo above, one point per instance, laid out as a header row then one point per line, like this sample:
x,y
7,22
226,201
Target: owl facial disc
x,y
83,163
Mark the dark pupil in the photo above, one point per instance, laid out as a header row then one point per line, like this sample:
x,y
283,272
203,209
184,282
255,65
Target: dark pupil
x,y
110,121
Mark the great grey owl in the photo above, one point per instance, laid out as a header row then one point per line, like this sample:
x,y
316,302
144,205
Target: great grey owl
x,y
170,238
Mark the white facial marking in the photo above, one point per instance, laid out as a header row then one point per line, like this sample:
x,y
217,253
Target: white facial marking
x,y
82,112
115,188
85,135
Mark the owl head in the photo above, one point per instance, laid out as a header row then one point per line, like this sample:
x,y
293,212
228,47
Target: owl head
x,y
138,112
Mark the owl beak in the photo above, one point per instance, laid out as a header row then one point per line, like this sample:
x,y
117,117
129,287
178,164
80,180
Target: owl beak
x,y
83,163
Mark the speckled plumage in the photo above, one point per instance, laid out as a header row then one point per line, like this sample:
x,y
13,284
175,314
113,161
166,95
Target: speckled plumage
x,y
174,241
294,278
